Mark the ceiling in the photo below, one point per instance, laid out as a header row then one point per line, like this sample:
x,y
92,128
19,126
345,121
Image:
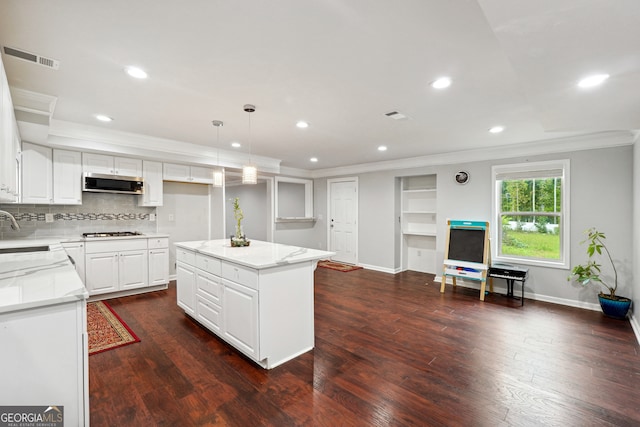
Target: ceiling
x,y
339,65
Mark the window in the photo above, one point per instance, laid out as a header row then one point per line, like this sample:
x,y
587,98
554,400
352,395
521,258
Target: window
x,y
531,213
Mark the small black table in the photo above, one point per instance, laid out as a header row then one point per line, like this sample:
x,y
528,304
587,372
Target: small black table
x,y
511,274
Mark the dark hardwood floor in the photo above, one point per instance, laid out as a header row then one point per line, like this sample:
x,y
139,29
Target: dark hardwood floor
x,y
389,351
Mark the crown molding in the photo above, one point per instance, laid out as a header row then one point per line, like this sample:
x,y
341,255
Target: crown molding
x,y
558,145
33,102
64,134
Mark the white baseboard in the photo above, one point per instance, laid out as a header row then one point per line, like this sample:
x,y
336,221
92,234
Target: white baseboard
x,y
381,269
635,326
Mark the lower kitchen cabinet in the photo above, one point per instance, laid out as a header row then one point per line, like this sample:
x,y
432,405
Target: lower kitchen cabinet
x,y
45,359
264,312
117,265
186,290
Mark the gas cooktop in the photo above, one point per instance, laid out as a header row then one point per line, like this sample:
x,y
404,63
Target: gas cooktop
x,y
112,234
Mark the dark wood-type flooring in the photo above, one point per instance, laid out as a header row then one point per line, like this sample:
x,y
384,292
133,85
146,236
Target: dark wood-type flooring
x,y
390,351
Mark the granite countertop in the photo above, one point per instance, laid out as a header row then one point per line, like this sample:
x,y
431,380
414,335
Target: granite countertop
x,y
37,279
258,255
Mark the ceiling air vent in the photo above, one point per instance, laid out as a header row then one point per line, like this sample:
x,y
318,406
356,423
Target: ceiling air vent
x,y
32,57
395,115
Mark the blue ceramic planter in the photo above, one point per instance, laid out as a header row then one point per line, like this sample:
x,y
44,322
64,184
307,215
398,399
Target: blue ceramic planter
x,y
617,309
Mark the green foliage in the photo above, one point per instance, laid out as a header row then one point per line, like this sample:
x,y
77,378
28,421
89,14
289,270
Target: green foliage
x,y
590,272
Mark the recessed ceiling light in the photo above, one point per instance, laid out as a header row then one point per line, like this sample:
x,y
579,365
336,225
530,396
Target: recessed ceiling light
x,y
441,83
236,145
302,125
136,72
104,118
594,80
382,148
496,129
313,159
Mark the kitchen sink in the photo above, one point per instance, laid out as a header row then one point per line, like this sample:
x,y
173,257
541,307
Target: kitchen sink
x,y
24,249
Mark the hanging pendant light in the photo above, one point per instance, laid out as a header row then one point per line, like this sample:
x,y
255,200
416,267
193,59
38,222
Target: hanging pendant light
x,y
249,172
218,174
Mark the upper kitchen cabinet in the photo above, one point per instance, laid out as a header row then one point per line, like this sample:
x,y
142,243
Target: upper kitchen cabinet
x,y
186,173
37,173
152,174
9,143
110,165
50,176
67,177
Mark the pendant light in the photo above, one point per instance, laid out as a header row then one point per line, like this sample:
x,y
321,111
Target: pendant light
x,y
249,172
218,174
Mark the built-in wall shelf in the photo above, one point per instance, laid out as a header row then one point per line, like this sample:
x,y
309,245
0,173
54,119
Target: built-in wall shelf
x,y
418,220
295,219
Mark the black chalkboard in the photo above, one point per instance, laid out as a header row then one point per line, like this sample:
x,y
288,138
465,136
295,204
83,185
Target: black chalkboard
x,y
466,244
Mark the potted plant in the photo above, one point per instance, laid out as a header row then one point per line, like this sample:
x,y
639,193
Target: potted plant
x,y
239,239
612,305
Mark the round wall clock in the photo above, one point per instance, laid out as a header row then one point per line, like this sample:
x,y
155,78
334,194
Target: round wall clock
x,y
462,177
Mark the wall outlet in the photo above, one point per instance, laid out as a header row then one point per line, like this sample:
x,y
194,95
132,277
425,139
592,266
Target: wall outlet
x,y
171,217
152,217
419,253
48,217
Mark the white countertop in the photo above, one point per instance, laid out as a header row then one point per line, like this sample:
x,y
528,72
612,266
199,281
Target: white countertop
x,y
258,255
37,279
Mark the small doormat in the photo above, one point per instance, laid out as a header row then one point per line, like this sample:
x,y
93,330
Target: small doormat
x,y
106,329
338,266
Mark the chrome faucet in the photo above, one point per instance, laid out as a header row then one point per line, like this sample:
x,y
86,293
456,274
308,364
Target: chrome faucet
x,y
14,223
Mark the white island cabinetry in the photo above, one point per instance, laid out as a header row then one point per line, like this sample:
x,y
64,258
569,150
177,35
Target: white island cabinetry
x,y
258,298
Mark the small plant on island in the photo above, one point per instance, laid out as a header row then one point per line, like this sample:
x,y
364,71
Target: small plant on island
x,y
589,273
239,238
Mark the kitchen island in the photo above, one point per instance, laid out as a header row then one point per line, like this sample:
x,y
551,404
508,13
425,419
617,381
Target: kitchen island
x,y
43,330
258,298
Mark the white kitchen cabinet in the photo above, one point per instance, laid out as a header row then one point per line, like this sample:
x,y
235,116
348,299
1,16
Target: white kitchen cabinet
x,y
9,143
186,173
37,171
67,177
240,317
50,176
101,270
110,165
158,261
45,359
76,251
115,265
153,187
186,287
266,311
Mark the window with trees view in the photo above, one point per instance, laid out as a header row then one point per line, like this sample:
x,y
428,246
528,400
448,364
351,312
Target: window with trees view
x,y
531,212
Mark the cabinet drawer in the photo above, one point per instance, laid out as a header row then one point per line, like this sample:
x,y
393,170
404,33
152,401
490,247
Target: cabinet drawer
x,y
186,256
239,274
158,242
115,245
208,264
208,286
209,314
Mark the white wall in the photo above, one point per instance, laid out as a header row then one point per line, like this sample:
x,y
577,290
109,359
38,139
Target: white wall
x,y
635,289
185,215
256,207
601,196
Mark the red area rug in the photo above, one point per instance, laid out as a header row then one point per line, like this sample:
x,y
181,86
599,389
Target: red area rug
x,y
106,329
338,266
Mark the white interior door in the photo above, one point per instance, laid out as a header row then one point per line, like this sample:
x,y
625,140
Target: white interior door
x,y
343,219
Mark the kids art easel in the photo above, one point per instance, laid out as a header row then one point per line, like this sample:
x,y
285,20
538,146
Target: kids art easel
x,y
467,253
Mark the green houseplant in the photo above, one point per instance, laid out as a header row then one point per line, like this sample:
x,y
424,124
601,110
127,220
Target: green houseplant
x,y
239,239
612,305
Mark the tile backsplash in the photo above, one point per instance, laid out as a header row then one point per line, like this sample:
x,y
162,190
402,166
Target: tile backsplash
x,y
98,212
